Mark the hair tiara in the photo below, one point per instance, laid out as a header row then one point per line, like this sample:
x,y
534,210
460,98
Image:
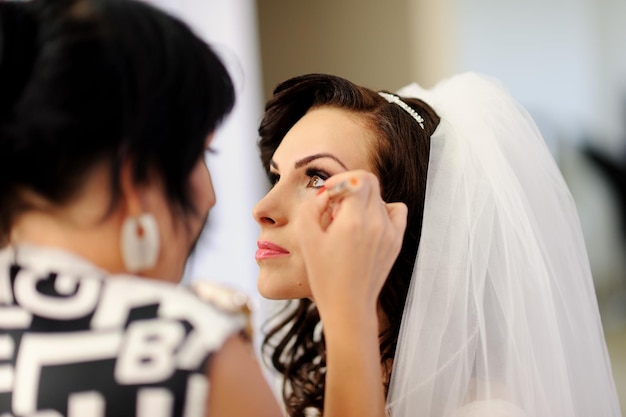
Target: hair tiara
x,y
391,98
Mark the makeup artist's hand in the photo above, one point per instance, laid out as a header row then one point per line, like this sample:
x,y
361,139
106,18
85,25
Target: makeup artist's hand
x,y
350,243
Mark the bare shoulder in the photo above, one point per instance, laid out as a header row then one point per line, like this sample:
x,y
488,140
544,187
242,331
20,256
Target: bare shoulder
x,y
490,408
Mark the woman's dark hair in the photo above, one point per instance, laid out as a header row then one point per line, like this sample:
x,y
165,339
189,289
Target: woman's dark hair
x,y
85,81
294,345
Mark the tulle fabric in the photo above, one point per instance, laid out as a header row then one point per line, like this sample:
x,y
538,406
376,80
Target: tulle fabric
x,y
501,318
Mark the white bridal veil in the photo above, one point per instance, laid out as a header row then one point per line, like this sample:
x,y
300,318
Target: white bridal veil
x,y
501,318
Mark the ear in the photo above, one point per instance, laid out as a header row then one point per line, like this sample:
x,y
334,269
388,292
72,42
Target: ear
x,y
130,191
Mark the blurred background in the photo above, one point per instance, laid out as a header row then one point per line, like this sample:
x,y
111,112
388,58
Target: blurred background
x,y
564,60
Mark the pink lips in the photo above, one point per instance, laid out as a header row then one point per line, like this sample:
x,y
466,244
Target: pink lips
x,y
268,250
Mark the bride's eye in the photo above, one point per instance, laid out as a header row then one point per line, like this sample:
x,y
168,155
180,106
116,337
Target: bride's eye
x,y
315,181
273,178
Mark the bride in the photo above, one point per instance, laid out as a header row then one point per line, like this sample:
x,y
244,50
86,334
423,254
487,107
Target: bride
x,y
479,301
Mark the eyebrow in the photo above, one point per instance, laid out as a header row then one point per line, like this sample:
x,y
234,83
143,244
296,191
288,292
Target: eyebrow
x,y
306,160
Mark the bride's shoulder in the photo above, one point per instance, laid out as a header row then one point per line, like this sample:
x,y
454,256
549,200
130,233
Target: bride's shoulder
x,y
490,408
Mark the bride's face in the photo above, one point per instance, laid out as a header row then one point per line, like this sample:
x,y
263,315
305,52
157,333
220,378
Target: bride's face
x,y
324,142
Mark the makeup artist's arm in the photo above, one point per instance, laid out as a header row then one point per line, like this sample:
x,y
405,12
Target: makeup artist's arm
x,y
238,387
347,264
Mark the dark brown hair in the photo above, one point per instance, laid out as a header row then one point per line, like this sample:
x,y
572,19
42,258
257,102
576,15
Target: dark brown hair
x,y
294,344
84,81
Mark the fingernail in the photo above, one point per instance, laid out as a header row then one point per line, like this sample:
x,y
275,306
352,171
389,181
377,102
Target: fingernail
x,y
321,190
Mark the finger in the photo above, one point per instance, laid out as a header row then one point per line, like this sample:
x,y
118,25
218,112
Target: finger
x,y
398,215
351,192
368,205
398,218
312,215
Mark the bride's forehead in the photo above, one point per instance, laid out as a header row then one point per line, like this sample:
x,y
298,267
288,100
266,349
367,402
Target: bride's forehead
x,y
328,129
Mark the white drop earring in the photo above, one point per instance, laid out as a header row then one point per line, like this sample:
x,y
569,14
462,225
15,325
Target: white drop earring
x,y
140,242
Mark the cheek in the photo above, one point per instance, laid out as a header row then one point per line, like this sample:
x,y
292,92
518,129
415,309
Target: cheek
x,y
190,224
202,193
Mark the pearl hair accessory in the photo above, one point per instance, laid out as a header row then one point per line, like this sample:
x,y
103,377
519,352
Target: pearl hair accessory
x,y
396,100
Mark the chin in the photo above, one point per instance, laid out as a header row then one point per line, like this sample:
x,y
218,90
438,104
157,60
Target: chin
x,y
274,288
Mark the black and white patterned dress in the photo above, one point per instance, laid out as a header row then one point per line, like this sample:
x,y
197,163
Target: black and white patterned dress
x,y
75,342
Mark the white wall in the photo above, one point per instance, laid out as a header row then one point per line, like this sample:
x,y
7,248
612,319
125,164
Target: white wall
x,y
610,58
565,60
541,50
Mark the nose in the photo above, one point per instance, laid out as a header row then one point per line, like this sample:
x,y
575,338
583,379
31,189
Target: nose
x,y
267,212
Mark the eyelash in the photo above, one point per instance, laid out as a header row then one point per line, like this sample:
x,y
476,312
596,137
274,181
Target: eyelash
x,y
273,177
312,173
